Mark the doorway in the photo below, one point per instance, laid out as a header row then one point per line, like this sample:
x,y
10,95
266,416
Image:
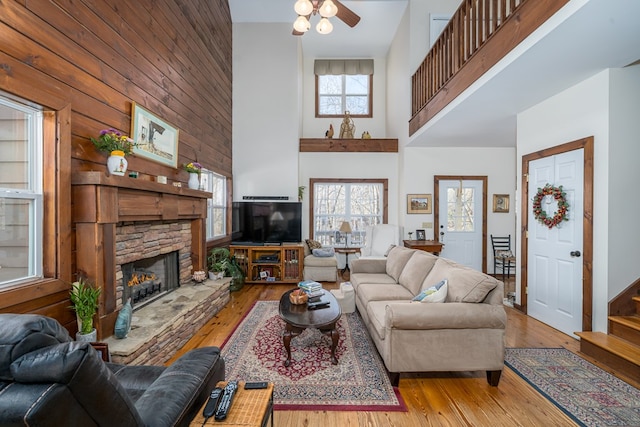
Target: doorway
x,y
547,263
460,219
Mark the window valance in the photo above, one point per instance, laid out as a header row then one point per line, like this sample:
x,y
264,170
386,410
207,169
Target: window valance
x,y
336,67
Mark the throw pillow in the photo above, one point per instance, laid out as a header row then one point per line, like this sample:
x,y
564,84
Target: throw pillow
x,y
436,293
323,252
313,244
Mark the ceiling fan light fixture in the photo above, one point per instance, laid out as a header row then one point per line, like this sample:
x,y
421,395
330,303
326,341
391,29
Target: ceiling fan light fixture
x,y
328,9
303,7
301,24
324,26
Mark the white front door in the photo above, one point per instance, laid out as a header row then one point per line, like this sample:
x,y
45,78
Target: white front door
x,y
554,254
460,213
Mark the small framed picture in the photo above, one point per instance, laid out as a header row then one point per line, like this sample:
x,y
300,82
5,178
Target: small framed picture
x,y
501,203
418,203
421,235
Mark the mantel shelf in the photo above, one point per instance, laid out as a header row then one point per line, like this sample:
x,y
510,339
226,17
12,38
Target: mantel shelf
x,y
332,145
101,179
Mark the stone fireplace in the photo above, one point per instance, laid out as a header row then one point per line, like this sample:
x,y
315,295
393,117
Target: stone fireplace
x,y
147,279
121,221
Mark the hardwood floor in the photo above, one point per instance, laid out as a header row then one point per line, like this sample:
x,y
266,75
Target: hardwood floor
x,y
433,399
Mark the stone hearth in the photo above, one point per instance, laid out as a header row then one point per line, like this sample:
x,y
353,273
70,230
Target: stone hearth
x,y
161,328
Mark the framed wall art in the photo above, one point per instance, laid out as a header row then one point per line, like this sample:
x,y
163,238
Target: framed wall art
x,y
418,203
501,203
154,138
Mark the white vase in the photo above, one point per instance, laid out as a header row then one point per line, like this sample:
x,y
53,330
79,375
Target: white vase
x,y
90,337
117,163
194,181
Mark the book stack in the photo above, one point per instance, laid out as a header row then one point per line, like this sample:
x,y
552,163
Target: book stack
x,y
312,288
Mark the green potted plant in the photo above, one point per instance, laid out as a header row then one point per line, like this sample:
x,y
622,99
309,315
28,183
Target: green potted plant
x,y
220,261
84,298
118,146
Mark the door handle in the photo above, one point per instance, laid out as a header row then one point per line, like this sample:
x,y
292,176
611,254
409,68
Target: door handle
x,y
575,254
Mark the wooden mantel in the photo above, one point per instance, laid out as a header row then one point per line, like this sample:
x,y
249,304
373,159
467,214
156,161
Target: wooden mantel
x,y
100,202
331,145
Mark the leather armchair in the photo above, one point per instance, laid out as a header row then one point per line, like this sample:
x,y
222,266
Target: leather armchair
x,y
47,379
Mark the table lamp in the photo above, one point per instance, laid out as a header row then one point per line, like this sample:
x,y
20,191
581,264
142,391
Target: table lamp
x,y
345,228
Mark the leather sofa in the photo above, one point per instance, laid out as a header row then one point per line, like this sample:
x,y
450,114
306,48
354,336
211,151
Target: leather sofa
x,y
465,332
47,379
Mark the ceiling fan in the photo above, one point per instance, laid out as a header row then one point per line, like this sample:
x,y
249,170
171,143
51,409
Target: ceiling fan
x,y
326,9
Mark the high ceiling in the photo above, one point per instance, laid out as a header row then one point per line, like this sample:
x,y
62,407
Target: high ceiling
x,y
371,37
581,40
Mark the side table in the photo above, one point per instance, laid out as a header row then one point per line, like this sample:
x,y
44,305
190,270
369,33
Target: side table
x,y
346,252
251,408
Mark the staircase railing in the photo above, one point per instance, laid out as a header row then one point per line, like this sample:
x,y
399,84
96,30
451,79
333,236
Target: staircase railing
x,y
476,24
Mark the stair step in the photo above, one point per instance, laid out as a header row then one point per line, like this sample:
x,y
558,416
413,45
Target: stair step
x,y
636,299
618,354
625,327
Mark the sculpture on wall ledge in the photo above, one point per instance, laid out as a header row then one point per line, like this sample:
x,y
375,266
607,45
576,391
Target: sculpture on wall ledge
x,y
347,128
366,135
329,133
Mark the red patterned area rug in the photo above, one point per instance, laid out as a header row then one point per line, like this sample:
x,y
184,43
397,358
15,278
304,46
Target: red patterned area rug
x,y
589,395
359,382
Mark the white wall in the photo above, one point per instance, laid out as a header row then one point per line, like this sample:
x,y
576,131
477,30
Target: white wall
x,y
624,176
578,112
266,106
419,26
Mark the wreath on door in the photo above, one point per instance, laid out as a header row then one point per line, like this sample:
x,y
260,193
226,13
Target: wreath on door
x,y
559,215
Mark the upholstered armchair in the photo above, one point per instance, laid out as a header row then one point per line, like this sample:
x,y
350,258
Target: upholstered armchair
x,y
379,239
47,379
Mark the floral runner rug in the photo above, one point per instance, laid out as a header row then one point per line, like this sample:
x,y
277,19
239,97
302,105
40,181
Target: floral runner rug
x,y
583,391
359,382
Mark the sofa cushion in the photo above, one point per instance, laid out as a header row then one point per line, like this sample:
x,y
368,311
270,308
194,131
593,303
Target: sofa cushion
x,y
464,284
396,261
373,278
416,269
316,261
436,293
368,292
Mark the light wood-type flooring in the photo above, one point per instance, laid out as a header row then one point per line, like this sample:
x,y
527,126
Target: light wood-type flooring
x,y
433,399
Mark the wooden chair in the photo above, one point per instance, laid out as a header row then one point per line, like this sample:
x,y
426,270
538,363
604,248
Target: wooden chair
x,y
503,258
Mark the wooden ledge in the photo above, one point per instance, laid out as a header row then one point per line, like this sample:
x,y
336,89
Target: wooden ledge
x,y
101,179
329,145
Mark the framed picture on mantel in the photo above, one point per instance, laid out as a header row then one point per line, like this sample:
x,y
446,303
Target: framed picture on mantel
x,y
154,138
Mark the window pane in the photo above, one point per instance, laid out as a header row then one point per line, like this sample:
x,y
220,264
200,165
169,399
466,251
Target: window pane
x,y
460,214
14,148
357,104
330,85
331,105
216,205
357,85
16,231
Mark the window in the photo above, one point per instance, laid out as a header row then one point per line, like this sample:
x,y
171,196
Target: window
x,y
21,202
344,85
217,204
460,203
338,94
361,203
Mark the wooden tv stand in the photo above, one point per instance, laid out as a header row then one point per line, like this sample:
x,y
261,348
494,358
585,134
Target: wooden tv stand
x,y
270,263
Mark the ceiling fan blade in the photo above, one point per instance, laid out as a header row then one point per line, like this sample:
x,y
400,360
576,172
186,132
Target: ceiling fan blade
x,y
347,15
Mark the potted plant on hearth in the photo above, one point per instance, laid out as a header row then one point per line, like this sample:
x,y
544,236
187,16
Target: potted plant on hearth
x,y
221,263
118,146
85,303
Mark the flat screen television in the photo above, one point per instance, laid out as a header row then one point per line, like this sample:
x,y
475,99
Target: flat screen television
x,y
261,222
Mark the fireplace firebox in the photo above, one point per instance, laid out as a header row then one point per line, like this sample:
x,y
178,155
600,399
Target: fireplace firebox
x,y
147,279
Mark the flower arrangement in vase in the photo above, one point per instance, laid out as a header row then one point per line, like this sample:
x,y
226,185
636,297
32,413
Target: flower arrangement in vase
x,y
118,146
194,169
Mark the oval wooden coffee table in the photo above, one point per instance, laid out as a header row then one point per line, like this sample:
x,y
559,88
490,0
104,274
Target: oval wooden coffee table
x,y
298,318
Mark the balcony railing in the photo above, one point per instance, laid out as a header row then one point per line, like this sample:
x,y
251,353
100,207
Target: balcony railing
x,y
480,33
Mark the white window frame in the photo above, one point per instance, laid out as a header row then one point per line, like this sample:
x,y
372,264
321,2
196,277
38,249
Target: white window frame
x,y
332,236
213,206
344,95
33,193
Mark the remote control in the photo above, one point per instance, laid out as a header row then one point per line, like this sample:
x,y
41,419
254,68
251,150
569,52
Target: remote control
x,y
212,403
227,399
317,305
251,386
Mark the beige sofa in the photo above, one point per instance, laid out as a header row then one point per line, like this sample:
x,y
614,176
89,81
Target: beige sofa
x,y
466,332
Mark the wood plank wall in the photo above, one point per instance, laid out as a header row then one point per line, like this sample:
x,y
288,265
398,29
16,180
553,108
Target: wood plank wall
x,y
85,62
